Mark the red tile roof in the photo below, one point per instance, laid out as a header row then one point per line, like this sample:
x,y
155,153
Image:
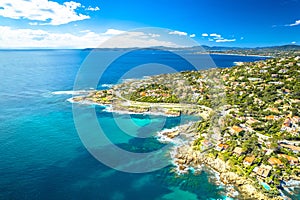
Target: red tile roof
x,y
289,158
249,159
274,161
237,129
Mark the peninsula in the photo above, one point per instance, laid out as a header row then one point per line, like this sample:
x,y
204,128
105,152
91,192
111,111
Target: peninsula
x,y
249,130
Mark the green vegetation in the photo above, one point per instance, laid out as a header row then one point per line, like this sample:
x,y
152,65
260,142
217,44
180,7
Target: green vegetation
x,y
252,119
154,93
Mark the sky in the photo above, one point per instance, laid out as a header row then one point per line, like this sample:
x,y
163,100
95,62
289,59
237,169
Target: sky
x,y
89,23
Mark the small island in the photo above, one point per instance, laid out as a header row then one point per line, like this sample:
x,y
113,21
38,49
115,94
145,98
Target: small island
x,y
249,130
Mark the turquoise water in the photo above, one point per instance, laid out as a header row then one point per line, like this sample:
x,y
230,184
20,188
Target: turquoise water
x,y
266,186
42,156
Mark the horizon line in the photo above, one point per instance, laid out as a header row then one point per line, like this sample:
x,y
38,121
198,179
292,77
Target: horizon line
x,y
86,48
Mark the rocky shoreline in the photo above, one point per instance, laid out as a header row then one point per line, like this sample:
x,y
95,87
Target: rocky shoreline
x,y
185,158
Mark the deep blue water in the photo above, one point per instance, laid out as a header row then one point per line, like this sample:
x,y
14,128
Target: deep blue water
x,y
42,156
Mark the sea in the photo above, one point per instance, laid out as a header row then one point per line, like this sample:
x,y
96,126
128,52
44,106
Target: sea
x,y
42,155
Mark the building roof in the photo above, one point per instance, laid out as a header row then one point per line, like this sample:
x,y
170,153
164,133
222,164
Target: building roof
x,y
287,122
143,94
264,170
270,117
249,159
295,119
251,120
224,146
206,143
237,129
238,150
274,161
273,110
294,148
289,158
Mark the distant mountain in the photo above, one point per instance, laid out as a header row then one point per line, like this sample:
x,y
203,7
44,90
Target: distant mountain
x,y
279,48
206,48
282,48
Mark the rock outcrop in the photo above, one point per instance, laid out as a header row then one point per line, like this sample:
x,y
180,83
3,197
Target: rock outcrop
x,y
185,157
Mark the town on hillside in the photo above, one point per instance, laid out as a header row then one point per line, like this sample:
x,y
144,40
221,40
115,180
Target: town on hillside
x,y
250,114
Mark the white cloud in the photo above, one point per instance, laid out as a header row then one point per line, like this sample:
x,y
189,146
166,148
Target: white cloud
x,y
33,23
297,22
44,11
30,38
226,40
154,35
242,38
178,33
294,42
93,9
193,35
37,38
113,32
137,39
216,36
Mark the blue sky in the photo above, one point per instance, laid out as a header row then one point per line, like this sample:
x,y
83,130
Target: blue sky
x,y
86,23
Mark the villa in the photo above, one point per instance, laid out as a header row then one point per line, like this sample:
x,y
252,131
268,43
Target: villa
x,y
238,151
221,147
249,160
295,149
287,123
263,170
271,117
275,110
236,129
275,161
296,119
251,120
292,160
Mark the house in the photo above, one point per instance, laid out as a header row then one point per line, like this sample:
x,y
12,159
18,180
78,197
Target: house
x,y
254,79
221,147
295,149
143,94
292,160
249,160
286,91
236,129
275,161
263,170
283,71
287,123
275,110
270,117
296,119
276,82
238,151
251,120
206,144
263,71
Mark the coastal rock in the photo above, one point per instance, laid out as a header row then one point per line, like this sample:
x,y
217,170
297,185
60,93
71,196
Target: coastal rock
x,y
173,134
185,157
